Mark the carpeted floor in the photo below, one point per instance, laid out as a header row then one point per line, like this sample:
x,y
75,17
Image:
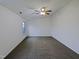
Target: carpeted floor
x,y
42,48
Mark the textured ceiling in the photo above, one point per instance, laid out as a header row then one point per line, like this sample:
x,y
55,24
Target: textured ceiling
x,y
28,6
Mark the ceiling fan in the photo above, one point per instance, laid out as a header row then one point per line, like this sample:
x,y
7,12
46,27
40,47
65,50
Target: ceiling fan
x,y
43,11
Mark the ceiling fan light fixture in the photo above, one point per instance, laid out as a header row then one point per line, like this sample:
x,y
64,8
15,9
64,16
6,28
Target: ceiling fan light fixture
x,y
42,13
43,9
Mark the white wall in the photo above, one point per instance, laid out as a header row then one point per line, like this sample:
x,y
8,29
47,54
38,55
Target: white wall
x,y
10,31
65,26
39,26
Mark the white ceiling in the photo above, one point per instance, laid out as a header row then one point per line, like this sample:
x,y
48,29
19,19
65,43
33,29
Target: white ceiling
x,y
26,6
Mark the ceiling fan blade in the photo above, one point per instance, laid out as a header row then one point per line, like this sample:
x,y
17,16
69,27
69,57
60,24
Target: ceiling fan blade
x,y
49,11
36,11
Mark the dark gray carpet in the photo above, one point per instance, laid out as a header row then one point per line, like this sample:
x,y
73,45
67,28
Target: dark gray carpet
x,y
42,48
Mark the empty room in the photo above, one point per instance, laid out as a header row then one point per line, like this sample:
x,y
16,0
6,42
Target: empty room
x,y
39,29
